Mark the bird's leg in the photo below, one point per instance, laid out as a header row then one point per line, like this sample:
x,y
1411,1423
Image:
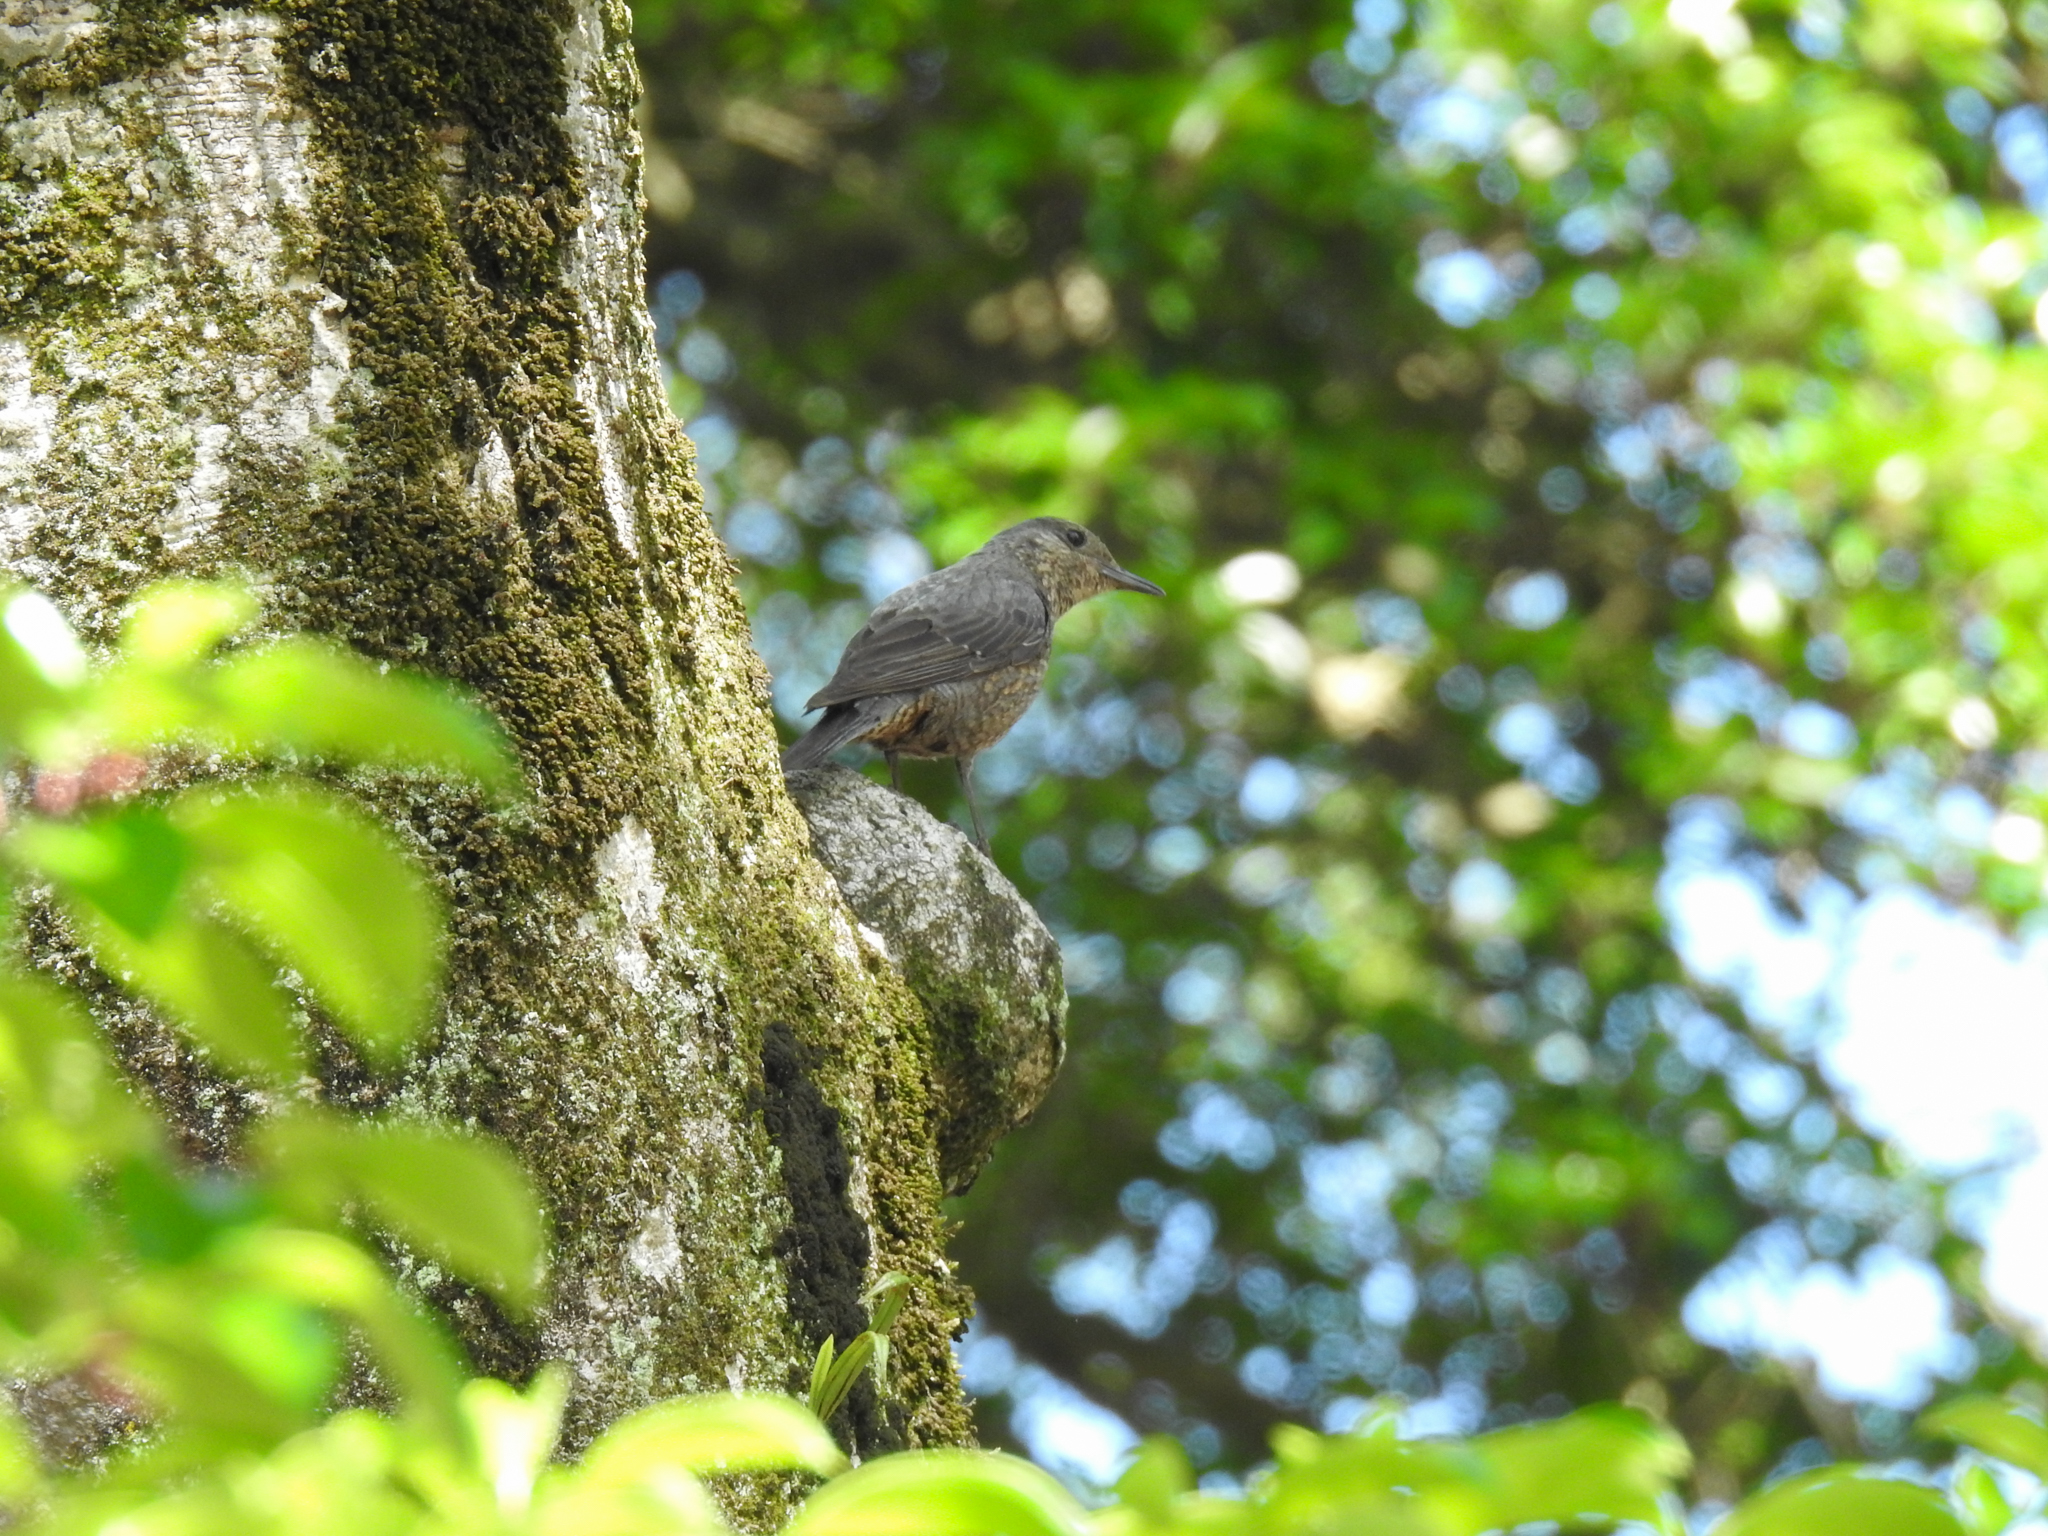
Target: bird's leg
x,y
966,767
895,772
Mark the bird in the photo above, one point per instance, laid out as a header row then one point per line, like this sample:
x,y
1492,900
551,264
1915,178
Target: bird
x,y
946,665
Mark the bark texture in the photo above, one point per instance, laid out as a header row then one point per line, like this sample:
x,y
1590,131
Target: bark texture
x,y
346,295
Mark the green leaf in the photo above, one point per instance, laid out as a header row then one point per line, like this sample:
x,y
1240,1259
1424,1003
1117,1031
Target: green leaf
x,y
845,1371
1605,1461
51,1061
1982,1501
512,1432
940,1493
674,1504
38,673
1378,1482
175,623
1994,1426
207,978
1160,1474
127,864
332,895
888,1294
725,1432
1834,1501
323,1270
166,1218
821,1369
158,691
279,1344
171,1347
461,1198
302,695
43,639
21,1474
122,876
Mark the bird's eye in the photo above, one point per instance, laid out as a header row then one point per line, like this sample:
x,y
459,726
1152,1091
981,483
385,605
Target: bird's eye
x,y
1076,537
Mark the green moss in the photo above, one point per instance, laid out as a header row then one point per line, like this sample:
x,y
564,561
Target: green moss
x,y
459,321
59,252
460,317
134,36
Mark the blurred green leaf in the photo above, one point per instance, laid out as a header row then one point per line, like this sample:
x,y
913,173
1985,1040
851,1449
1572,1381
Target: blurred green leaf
x,y
156,693
43,1221
513,1433
122,876
127,865
1836,1500
461,1198
1402,1487
21,1473
670,1504
52,1062
175,1295
207,978
324,1270
281,1345
30,696
21,1477
940,1493
717,1433
1160,1474
214,1407
42,638
1994,1426
1982,1501
330,892
1606,1461
302,695
170,1217
176,623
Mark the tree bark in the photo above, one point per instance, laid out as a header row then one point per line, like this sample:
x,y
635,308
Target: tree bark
x,y
346,295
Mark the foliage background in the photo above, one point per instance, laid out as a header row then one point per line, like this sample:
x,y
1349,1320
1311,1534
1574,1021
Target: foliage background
x,y
1564,430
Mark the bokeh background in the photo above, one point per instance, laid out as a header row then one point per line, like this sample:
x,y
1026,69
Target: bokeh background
x,y
1551,900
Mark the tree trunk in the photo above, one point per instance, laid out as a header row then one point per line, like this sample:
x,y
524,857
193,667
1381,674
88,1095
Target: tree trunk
x,y
347,296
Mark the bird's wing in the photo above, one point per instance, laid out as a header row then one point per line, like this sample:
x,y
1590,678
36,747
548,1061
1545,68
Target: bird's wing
x,y
946,631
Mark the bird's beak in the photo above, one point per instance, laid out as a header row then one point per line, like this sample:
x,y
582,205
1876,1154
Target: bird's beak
x,y
1117,576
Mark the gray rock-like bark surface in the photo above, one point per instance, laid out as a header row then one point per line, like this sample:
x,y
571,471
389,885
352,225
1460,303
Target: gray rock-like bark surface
x,y
972,948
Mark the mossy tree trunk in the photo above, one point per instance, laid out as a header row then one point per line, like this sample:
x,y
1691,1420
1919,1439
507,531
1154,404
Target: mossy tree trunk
x,y
346,295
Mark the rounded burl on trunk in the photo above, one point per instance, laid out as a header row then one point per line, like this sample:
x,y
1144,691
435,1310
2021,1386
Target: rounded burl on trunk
x,y
972,948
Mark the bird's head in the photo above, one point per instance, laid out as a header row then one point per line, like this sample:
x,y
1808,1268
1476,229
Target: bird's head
x,y
1071,563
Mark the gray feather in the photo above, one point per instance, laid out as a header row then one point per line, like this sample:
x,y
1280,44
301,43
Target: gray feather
x,y
979,616
841,723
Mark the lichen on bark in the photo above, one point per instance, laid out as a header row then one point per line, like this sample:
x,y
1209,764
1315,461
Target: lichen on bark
x,y
346,297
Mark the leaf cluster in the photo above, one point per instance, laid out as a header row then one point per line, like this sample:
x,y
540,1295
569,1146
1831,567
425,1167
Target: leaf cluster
x,y
204,1312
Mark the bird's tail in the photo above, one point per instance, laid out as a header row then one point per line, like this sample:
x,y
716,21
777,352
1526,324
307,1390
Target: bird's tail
x,y
840,724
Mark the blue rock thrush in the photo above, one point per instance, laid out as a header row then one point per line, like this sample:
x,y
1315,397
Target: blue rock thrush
x,y
946,665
